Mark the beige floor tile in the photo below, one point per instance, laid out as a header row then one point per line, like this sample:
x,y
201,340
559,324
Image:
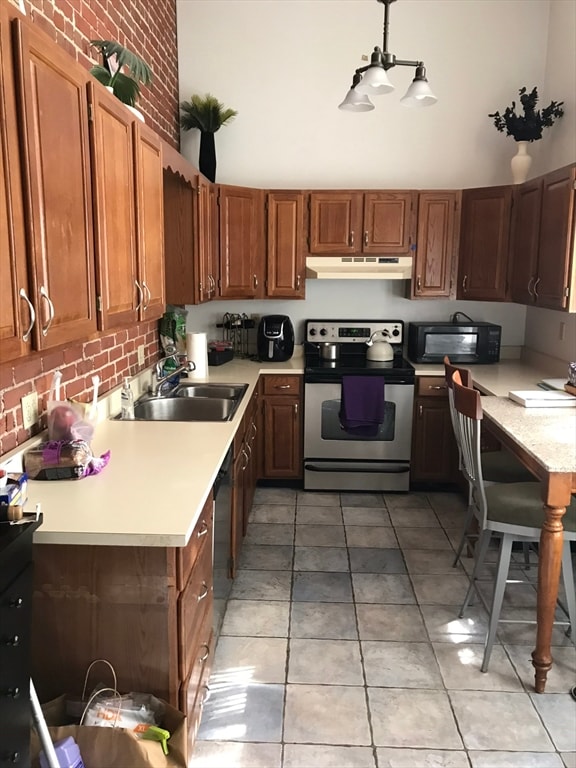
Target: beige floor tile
x,y
275,496
444,625
560,678
273,513
383,588
443,501
423,538
321,559
326,714
390,622
569,759
270,533
429,561
460,666
400,665
389,757
326,756
412,718
436,589
325,661
266,557
235,754
370,536
243,712
320,536
317,499
366,516
361,499
515,760
319,515
558,712
499,721
259,618
410,500
405,517
250,660
323,620
262,585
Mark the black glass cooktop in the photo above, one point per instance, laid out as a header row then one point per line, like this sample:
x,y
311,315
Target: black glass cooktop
x,y
354,364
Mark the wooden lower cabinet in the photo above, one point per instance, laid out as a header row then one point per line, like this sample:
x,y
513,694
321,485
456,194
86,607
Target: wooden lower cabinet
x,y
434,451
282,427
147,610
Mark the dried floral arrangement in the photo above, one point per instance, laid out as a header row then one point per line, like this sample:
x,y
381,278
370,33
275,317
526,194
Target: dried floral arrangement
x,y
529,125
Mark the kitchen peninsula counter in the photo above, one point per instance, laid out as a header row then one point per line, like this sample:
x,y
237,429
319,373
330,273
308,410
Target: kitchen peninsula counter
x,y
160,473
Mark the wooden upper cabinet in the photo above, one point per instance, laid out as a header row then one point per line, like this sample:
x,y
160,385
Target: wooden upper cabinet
x,y
484,243
241,262
335,222
285,253
388,222
15,313
436,244
150,221
555,284
525,235
58,199
119,292
207,240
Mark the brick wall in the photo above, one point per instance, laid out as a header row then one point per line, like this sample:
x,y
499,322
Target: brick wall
x,y
147,27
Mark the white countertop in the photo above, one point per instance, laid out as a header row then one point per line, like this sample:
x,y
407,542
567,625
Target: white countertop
x,y
160,473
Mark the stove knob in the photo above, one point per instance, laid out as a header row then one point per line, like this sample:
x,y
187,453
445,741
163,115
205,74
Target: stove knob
x,y
395,332
312,331
323,332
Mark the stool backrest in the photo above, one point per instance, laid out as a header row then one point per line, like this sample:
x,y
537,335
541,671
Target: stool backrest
x,y
468,407
466,379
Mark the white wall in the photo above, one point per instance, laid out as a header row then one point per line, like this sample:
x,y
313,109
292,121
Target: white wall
x,y
285,65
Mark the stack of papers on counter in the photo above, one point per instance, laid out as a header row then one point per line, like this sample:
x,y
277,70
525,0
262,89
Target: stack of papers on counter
x,y
542,398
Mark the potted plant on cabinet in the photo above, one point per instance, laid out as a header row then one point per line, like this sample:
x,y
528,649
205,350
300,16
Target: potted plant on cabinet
x,y
526,127
208,115
125,86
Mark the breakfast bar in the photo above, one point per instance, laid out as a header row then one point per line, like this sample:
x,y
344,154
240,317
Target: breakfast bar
x,y
544,440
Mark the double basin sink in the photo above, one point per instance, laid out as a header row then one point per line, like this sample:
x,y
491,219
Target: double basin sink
x,y
192,402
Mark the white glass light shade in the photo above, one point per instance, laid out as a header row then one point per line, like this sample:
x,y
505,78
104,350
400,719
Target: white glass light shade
x,y
356,102
375,82
419,94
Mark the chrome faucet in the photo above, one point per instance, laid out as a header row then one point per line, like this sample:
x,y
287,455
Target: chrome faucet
x,y
186,367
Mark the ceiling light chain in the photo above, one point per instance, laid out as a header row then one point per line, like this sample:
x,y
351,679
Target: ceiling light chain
x,y
372,79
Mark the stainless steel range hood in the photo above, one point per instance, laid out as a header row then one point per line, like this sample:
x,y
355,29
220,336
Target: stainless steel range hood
x,y
359,267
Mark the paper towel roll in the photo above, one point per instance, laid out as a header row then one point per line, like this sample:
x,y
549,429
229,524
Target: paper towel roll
x,y
197,351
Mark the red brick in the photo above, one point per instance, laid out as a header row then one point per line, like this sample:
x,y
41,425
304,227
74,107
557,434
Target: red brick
x,y
12,396
74,388
53,360
8,443
92,348
22,435
121,337
6,376
108,341
84,366
27,369
101,360
73,353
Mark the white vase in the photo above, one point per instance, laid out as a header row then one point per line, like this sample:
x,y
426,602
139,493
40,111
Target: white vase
x,y
520,163
134,111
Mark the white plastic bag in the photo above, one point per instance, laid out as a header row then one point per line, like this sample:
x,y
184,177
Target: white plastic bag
x,y
68,420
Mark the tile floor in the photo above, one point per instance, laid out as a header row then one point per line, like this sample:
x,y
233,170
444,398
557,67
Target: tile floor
x,y
341,647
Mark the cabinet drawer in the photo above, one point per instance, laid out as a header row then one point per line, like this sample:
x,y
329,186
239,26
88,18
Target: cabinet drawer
x,y
432,386
202,534
282,385
193,604
201,663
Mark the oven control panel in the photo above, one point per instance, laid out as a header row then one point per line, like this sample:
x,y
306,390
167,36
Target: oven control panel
x,y
353,331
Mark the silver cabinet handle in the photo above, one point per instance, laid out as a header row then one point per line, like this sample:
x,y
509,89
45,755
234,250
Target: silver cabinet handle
x,y
212,282
418,284
203,530
295,409
255,281
23,296
249,449
464,281
44,295
365,237
529,288
282,386
148,296
140,294
297,282
255,428
535,286
204,592
351,239
420,410
203,658
246,457
437,386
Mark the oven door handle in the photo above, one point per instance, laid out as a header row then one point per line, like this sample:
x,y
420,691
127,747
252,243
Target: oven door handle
x,y
318,378
396,470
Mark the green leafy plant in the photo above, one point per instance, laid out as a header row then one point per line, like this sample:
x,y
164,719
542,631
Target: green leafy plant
x,y
529,125
126,86
205,113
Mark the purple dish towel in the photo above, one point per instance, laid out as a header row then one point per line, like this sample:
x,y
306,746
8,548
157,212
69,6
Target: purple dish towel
x,y
362,405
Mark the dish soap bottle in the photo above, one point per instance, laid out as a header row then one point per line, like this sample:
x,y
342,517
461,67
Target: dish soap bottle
x,y
127,400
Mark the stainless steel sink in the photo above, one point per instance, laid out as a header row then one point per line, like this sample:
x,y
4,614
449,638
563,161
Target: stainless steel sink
x,y
183,409
226,391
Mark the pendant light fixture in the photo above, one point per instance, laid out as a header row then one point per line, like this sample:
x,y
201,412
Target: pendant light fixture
x,y
372,80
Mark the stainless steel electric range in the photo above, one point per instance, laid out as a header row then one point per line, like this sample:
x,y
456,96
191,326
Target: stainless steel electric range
x,y
334,459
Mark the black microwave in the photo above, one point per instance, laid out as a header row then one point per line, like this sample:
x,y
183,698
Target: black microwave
x,y
462,342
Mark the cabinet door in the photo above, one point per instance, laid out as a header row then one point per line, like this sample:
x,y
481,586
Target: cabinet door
x,y
335,221
435,261
285,262
179,230
120,293
282,437
237,512
484,243
240,218
207,233
556,246
524,240
58,198
388,218
434,452
15,313
150,221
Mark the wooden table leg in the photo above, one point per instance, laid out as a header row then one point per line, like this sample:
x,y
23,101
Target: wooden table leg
x,y
549,568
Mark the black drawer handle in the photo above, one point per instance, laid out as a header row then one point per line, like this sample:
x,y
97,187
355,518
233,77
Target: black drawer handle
x,y
11,693
12,641
16,602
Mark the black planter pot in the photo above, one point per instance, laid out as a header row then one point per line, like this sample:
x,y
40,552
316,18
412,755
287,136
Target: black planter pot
x,y
207,158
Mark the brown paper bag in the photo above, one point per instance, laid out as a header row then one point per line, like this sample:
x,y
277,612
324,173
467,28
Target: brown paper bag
x,y
116,747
